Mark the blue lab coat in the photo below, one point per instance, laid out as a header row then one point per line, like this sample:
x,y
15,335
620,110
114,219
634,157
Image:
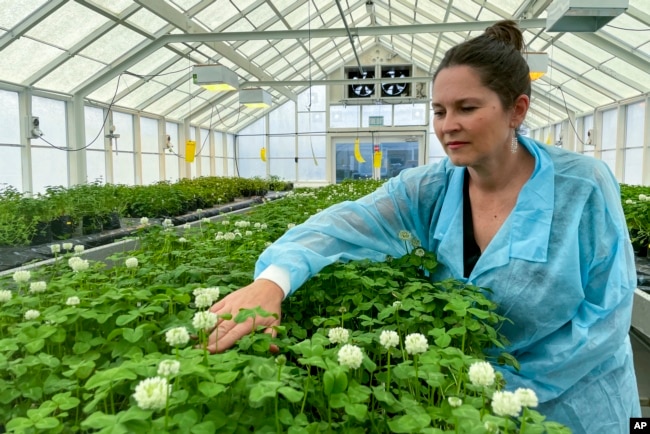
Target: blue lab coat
x,y
561,267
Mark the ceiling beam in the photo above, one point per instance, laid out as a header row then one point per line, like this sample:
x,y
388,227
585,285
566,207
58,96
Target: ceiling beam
x,y
151,47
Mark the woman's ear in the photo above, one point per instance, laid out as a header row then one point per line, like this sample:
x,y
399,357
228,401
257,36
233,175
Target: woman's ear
x,y
519,109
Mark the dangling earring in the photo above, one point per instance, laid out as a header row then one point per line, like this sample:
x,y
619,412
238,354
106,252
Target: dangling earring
x,y
513,144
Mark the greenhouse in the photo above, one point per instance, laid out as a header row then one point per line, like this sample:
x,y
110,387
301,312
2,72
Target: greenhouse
x,y
447,260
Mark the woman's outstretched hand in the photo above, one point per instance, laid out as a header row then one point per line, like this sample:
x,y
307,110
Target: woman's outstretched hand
x,y
263,293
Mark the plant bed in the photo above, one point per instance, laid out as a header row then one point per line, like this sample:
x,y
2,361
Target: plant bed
x,y
123,350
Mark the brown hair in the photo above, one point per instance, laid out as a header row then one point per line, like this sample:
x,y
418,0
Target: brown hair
x,y
497,57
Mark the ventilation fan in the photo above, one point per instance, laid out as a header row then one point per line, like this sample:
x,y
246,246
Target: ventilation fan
x,y
393,89
361,90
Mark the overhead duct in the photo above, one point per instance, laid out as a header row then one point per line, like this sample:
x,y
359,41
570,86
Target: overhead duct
x,y
582,15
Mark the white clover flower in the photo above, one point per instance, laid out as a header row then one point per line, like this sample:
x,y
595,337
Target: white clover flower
x,y
37,287
319,209
77,264
204,220
291,225
72,301
177,336
338,335
229,236
203,301
404,235
218,237
389,339
506,404
55,248
167,368
419,252
152,393
481,374
350,356
643,198
167,223
182,240
527,397
455,401
144,221
264,226
415,242
629,201
225,222
187,226
5,295
79,248
397,304
204,320
22,276
32,314
242,224
67,246
416,343
257,225
248,233
199,210
212,293
131,262
491,427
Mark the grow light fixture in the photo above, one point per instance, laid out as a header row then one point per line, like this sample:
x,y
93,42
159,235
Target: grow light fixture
x,y
255,98
582,15
216,78
537,64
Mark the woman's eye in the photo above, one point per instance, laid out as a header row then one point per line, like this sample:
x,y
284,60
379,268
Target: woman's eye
x,y
438,113
468,109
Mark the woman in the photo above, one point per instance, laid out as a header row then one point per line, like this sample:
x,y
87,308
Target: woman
x,y
540,226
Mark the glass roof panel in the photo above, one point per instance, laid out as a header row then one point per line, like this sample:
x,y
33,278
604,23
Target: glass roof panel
x,y
106,92
68,75
486,15
249,48
16,67
240,25
278,25
243,4
561,58
147,21
644,49
150,63
141,94
629,71
115,6
580,45
166,102
260,15
112,45
582,89
217,14
14,11
295,18
431,10
618,28
611,84
184,4
55,29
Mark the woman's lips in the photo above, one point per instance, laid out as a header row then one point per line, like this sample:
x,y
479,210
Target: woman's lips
x,y
455,144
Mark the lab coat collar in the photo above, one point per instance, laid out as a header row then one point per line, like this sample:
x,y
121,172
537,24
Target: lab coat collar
x,y
525,233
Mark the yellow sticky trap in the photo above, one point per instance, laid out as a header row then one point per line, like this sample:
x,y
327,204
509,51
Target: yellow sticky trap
x,y
263,154
357,151
190,148
377,159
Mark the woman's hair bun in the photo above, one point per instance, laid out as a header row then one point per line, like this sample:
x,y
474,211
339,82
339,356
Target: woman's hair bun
x,y
507,32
